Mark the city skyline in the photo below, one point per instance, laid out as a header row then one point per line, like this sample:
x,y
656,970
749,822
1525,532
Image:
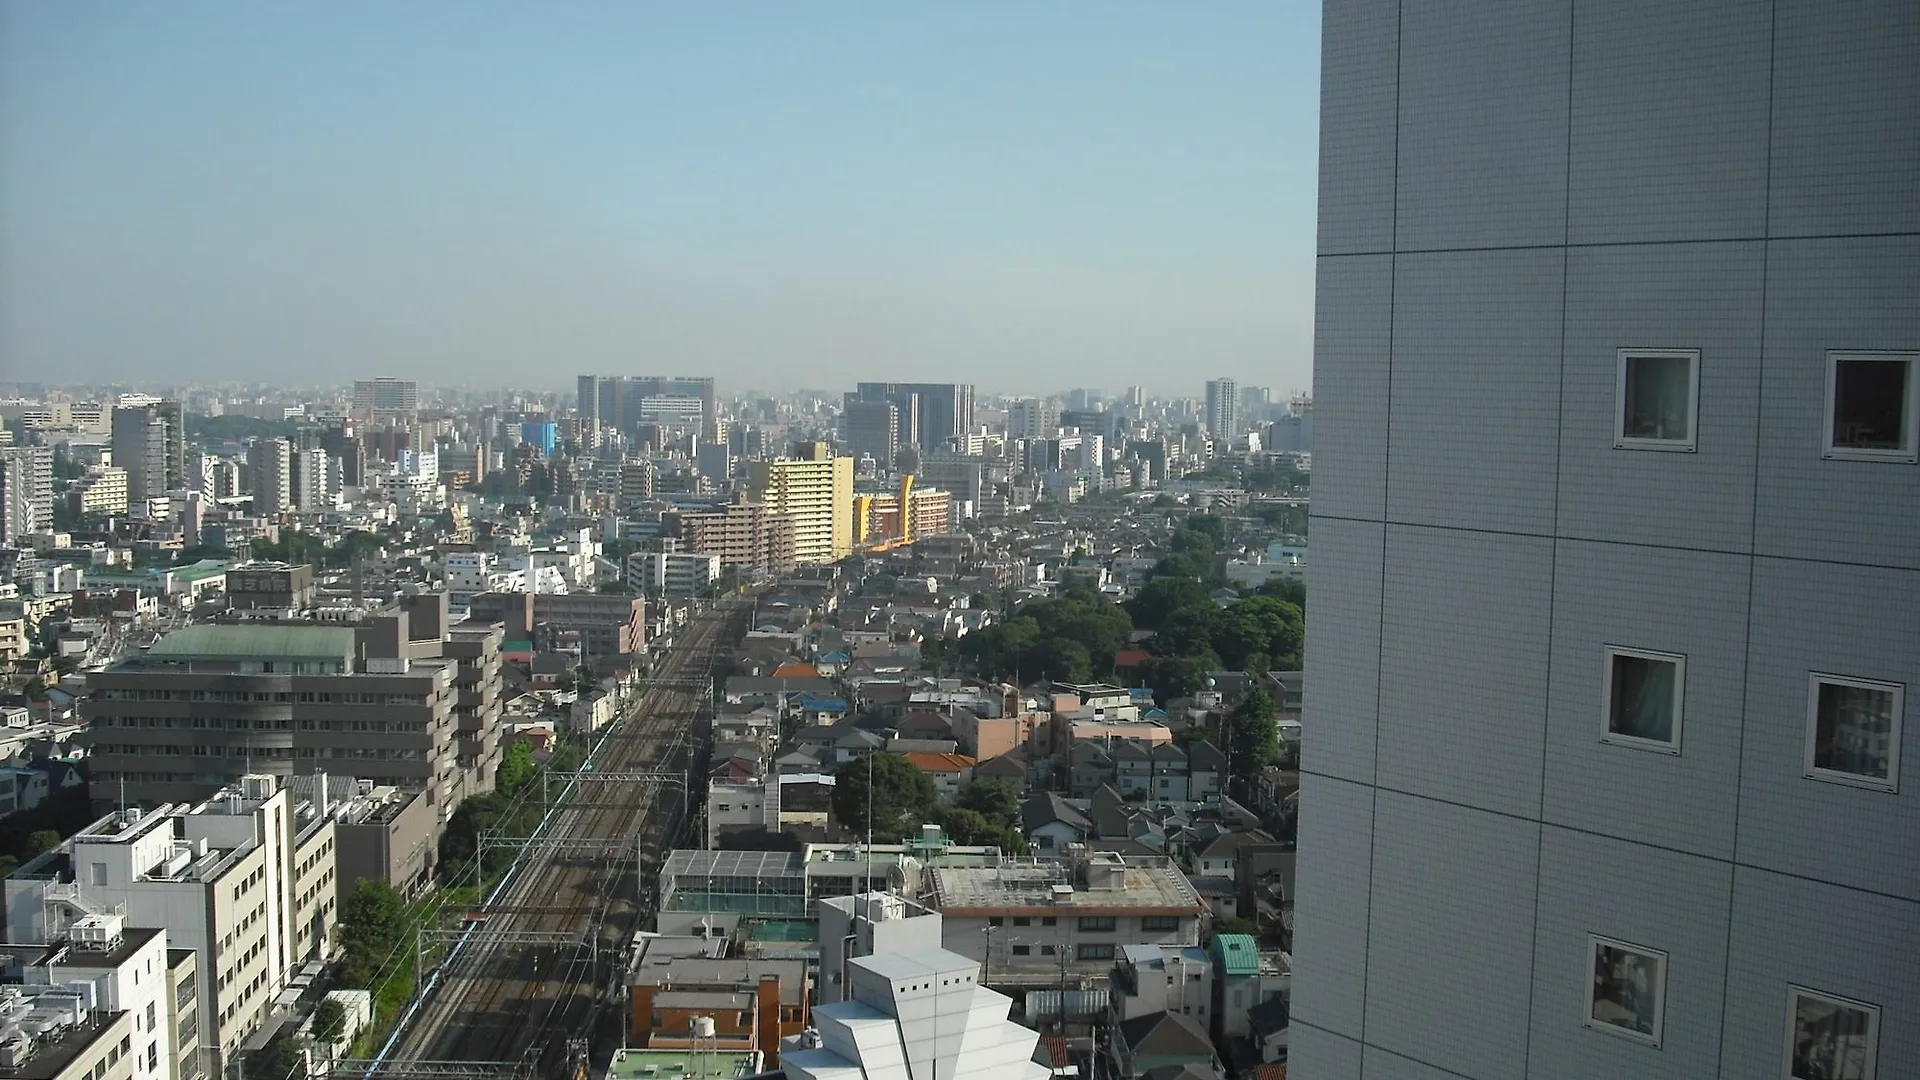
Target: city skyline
x,y
473,201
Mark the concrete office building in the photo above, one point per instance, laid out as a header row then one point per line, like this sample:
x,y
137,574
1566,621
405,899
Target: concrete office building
x,y
671,573
224,878
1617,322
55,1033
149,442
103,490
26,491
118,969
386,401
871,429
270,476
814,490
1223,409
904,1008
929,413
621,402
397,700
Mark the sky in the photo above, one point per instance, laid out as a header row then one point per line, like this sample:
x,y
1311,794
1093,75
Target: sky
x,y
1027,196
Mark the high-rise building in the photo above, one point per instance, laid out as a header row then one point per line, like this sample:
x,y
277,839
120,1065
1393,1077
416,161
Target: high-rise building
x,y
872,429
270,475
1032,418
149,441
1617,324
815,490
930,413
1222,418
386,401
26,491
622,402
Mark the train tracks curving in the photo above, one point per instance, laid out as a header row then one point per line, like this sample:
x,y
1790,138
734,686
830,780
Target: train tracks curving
x,y
512,991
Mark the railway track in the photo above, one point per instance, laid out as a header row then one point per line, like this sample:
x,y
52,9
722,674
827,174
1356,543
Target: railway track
x,y
514,992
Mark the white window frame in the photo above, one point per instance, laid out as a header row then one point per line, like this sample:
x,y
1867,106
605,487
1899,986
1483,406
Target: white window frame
x,y
1795,993
1613,738
1688,445
1898,690
1872,1027
1909,451
1594,943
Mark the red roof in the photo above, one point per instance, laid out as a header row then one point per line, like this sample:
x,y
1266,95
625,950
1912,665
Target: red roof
x,y
939,763
1130,658
796,670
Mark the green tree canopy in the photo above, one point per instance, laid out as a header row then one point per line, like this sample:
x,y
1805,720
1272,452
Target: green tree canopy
x,y
329,1021
1163,596
279,1059
994,799
901,796
1253,739
1265,625
373,925
41,841
516,770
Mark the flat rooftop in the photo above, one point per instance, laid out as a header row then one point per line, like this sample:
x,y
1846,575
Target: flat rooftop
x,y
683,1064
1026,888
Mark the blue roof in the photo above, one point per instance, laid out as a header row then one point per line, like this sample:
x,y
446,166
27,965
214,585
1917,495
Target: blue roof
x,y
1155,713
837,657
831,704
1140,693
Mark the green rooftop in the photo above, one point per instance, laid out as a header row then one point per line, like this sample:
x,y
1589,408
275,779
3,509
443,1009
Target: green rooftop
x,y
257,639
683,1064
1237,953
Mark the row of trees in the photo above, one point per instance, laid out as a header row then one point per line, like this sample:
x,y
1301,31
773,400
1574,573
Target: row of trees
x,y
1071,638
888,797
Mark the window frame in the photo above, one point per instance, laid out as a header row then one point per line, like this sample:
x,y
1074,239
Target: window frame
x,y
1623,441
1594,944
1816,679
1909,451
1795,993
1613,738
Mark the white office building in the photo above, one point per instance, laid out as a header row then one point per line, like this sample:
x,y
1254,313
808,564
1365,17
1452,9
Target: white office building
x,y
1612,763
901,1007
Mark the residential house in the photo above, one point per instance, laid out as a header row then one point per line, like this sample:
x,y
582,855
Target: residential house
x,y
1051,823
1148,1044
949,772
1133,770
1169,763
1151,979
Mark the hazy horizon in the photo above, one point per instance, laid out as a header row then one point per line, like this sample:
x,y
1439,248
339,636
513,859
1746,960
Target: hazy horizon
x,y
1017,197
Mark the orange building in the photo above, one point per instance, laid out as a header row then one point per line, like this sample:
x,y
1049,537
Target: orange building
x,y
673,981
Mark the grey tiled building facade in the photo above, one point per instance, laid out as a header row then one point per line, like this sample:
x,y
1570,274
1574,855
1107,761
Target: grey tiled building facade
x,y
1520,855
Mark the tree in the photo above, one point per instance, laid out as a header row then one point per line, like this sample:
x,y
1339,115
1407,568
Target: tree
x,y
1161,597
901,796
373,924
516,769
41,841
968,827
1060,660
1177,676
1259,625
279,1059
1253,740
994,800
329,1025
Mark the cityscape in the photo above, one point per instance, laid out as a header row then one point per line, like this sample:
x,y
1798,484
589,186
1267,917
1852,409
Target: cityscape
x,y
612,716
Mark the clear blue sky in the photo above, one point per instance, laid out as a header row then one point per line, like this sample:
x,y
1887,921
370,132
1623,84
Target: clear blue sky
x,y
1030,195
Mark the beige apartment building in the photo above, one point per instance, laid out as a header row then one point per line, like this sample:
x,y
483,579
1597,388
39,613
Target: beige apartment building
x,y
225,878
746,535
814,489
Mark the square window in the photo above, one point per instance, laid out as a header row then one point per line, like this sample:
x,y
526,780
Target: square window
x,y
1830,1038
1873,406
1628,992
1853,731
1641,698
1658,399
